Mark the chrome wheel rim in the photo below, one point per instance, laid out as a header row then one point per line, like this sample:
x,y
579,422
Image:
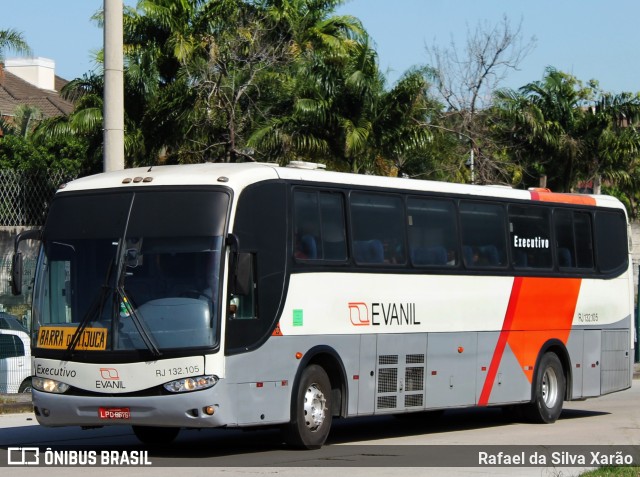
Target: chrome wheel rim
x,y
550,387
314,407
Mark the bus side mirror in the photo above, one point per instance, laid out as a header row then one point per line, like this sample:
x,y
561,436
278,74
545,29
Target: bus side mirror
x,y
17,263
16,273
242,278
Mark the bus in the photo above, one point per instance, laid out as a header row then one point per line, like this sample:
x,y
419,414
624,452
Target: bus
x,y
245,295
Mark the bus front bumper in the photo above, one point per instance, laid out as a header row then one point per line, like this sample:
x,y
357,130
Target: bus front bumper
x,y
195,409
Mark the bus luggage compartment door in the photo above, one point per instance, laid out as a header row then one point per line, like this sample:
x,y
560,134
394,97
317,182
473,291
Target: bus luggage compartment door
x,y
400,372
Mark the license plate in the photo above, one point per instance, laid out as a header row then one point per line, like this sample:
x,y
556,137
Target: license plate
x,y
109,413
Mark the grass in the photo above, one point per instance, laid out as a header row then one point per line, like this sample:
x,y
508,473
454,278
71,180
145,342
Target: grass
x,y
613,472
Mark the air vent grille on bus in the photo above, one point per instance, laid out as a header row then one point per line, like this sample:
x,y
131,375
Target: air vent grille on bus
x,y
388,380
414,379
413,400
386,402
388,359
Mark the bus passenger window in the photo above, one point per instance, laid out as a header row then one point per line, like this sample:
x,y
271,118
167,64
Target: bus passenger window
x,y
574,240
530,236
432,232
378,228
483,235
319,230
611,241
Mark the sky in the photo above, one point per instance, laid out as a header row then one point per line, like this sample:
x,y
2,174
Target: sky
x,y
591,39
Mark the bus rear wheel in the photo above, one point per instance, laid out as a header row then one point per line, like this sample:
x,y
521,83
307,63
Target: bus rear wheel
x,y
156,436
549,391
311,410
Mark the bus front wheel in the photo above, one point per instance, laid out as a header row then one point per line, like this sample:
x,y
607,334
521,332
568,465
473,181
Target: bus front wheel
x,y
155,436
311,410
549,390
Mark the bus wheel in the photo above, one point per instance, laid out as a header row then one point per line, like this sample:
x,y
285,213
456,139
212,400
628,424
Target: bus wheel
x,y
311,410
155,436
549,390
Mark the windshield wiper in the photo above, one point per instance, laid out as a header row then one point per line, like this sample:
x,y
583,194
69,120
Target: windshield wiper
x,y
115,289
120,295
95,310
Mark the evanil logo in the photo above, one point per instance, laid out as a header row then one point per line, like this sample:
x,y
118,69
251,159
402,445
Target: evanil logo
x,y
359,314
382,314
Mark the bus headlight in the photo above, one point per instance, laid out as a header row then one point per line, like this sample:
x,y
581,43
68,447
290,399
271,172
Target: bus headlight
x,y
49,385
191,384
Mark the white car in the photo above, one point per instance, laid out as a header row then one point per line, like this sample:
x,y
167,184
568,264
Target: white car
x,y
15,362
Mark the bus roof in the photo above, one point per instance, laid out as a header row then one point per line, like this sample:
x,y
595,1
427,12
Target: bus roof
x,y
240,175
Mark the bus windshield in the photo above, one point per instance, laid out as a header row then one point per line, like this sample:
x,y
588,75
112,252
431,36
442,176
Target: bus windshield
x,y
130,271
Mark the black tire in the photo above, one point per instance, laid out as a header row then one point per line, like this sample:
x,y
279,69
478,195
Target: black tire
x,y
156,436
549,391
311,414
25,387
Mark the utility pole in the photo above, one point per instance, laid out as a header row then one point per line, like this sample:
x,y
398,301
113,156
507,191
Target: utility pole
x,y
113,109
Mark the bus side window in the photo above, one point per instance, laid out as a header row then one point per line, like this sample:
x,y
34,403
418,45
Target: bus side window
x,y
378,228
432,232
611,241
530,232
319,226
483,235
574,241
242,303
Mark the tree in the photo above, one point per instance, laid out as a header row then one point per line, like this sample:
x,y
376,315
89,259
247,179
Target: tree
x,y
466,79
24,120
336,108
569,132
12,40
245,60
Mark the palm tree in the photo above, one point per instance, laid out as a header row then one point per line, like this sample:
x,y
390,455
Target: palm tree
x,y
612,139
568,131
334,106
12,40
542,123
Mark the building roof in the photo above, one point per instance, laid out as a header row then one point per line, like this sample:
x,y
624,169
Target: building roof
x,y
15,91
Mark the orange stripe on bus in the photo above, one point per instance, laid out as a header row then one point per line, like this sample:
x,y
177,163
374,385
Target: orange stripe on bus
x,y
576,199
539,309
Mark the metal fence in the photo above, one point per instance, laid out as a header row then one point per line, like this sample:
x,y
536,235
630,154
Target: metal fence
x,y
25,196
24,202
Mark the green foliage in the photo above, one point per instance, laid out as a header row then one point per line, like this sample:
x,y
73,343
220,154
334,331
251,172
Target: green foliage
x,y
12,40
613,472
23,154
568,131
280,80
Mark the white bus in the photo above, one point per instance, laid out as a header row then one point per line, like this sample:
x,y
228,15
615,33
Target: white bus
x,y
236,295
